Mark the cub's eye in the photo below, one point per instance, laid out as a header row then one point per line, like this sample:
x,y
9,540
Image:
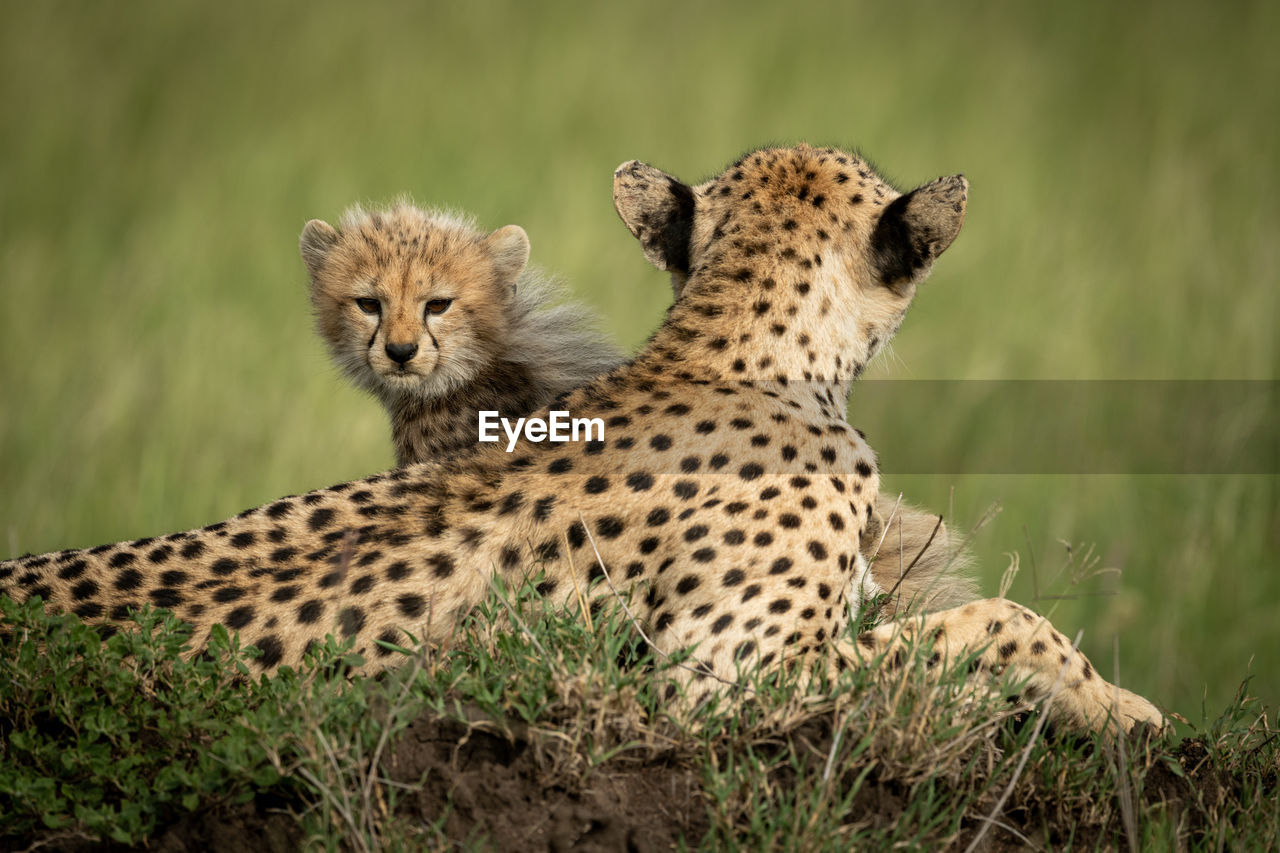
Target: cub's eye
x,y
369,306
438,306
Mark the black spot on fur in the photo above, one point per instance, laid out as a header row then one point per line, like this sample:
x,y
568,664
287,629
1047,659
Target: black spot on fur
x,y
90,610
239,618
72,570
510,557
386,638
129,579
320,518
272,650
285,593
224,566
310,612
441,565
639,481
350,621
610,527
173,578
165,597
696,532
542,507
227,594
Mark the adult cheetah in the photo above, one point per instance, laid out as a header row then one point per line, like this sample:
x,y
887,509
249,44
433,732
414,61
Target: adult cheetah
x,y
728,496
441,321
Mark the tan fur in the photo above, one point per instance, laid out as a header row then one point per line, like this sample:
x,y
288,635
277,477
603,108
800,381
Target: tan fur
x,y
502,344
912,553
546,347
727,501
916,559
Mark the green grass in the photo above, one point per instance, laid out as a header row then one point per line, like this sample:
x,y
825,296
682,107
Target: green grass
x,y
157,161
532,708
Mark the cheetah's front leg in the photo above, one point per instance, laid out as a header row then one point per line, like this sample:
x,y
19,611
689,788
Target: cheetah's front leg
x,y
1015,638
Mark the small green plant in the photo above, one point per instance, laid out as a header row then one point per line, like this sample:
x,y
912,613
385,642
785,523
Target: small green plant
x,y
105,737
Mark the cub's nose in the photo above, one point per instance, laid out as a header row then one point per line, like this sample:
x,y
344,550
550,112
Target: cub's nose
x,y
401,353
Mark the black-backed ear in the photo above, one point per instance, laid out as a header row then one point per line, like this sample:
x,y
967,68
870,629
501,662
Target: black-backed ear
x,y
509,246
317,239
917,227
658,210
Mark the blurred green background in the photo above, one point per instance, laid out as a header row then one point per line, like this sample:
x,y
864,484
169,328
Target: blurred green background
x,y
158,369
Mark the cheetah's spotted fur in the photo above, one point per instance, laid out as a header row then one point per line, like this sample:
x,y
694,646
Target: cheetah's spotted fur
x,y
505,340
729,495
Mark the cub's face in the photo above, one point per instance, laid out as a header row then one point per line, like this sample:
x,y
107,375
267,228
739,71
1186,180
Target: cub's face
x,y
412,303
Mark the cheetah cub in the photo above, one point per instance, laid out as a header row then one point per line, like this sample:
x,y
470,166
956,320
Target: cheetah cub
x,y
440,321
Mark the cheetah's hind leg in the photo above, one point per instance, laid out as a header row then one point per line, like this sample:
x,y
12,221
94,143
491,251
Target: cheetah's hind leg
x,y
1007,637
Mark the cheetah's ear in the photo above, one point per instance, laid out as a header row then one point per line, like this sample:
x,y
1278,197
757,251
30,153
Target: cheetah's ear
x,y
917,227
658,210
509,246
317,239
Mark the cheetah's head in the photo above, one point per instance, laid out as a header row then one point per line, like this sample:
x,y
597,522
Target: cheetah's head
x,y
412,303
808,244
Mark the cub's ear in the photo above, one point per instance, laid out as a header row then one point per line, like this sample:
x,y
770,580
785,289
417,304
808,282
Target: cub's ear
x,y
917,227
658,210
509,246
317,239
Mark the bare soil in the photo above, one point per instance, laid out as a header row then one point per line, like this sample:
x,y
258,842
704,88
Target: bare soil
x,y
504,792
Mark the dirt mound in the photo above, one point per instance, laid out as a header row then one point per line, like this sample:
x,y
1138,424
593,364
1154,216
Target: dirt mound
x,y
503,793
259,826
262,825
520,790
